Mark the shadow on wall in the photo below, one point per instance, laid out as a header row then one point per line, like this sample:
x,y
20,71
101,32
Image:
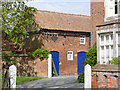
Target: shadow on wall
x,y
33,42
31,67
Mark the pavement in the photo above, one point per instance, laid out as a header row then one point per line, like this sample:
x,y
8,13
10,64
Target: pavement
x,y
54,82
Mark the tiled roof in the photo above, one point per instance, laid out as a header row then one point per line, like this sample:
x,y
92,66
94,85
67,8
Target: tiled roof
x,y
61,21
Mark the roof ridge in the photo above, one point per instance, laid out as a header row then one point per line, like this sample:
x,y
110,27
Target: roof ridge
x,y
64,13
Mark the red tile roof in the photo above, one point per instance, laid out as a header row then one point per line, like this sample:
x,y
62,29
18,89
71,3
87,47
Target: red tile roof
x,y
63,21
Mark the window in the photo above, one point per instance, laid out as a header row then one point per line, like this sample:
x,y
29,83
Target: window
x,y
116,7
107,39
106,44
118,38
107,54
82,39
111,52
102,39
118,44
118,50
111,38
70,55
111,8
102,54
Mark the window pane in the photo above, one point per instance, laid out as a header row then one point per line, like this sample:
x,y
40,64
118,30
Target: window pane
x,y
82,36
107,51
118,38
111,51
119,50
102,53
111,38
107,39
81,40
102,39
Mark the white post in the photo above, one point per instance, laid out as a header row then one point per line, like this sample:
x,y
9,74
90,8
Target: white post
x,y
50,66
12,75
87,76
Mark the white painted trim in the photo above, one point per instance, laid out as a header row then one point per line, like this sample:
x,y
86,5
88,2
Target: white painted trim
x,y
50,66
87,77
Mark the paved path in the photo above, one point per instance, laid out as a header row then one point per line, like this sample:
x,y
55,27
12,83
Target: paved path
x,y
54,82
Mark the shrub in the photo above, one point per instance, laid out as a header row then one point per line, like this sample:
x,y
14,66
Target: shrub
x,y
41,53
80,78
91,56
116,60
91,60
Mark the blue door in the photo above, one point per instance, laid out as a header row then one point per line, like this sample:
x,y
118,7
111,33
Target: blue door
x,y
81,58
55,56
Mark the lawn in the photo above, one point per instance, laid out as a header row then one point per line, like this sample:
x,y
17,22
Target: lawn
x,y
22,79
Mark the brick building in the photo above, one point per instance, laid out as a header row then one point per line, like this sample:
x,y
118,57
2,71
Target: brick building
x,y
66,37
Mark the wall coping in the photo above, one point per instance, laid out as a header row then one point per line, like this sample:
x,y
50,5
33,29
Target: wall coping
x,y
106,68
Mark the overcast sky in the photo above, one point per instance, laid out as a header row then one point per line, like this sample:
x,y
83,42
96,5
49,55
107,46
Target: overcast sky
x,y
63,6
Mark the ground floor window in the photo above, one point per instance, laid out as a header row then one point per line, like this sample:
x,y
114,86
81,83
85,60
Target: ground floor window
x,y
106,48
70,55
118,44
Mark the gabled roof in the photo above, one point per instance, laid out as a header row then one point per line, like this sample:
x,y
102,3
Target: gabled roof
x,y
62,21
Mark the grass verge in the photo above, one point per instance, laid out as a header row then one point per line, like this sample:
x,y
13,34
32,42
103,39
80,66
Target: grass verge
x,y
22,79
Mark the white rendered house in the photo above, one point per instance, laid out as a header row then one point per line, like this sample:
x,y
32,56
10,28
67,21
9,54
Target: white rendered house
x,y
108,34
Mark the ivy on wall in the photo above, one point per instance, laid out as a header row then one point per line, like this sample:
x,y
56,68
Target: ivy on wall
x,y
41,53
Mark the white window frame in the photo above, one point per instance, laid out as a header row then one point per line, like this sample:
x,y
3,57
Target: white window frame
x,y
82,38
105,44
70,55
110,9
117,44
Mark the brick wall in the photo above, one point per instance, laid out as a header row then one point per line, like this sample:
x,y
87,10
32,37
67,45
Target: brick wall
x,y
105,76
27,66
62,44
97,16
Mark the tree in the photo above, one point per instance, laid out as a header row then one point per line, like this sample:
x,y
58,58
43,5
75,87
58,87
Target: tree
x,y
16,21
92,56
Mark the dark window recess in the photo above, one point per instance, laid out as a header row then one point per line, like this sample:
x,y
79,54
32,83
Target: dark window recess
x,y
116,7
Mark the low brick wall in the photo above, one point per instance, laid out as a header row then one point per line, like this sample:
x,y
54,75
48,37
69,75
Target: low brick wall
x,y
105,76
27,66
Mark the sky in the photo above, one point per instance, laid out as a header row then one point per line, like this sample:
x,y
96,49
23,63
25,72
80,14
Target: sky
x,y
63,6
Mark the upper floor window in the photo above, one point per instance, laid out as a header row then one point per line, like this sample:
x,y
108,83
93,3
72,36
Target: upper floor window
x,y
116,6
111,9
82,39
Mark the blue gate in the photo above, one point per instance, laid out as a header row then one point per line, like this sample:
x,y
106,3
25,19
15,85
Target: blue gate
x,y
55,56
81,58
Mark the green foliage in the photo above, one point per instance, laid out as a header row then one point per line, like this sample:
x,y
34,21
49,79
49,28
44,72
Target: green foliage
x,y
41,53
116,60
16,20
7,57
92,56
81,77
